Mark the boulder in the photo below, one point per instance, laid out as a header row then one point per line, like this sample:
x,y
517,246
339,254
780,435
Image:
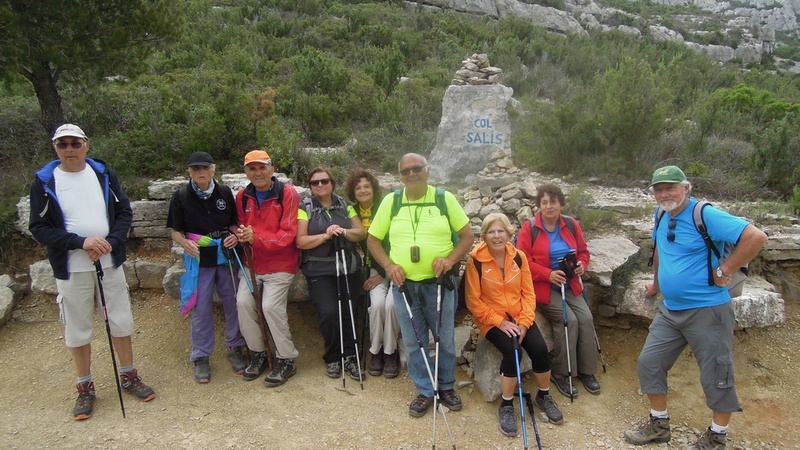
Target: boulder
x,y
150,219
474,125
150,274
607,255
172,280
10,293
549,18
759,305
486,368
129,267
42,278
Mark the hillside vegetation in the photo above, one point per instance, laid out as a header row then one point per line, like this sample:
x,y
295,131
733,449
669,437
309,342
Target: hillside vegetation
x,y
283,75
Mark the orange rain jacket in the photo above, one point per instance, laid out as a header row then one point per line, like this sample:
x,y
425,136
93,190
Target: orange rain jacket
x,y
493,294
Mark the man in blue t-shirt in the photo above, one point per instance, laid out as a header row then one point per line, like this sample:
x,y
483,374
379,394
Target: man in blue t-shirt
x,y
694,312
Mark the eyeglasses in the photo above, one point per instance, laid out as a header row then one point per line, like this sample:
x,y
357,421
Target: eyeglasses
x,y
671,234
416,169
73,144
323,182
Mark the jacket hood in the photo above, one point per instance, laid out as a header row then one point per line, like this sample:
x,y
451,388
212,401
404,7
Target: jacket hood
x,y
46,173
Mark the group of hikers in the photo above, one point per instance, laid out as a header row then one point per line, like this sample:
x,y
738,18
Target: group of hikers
x,y
403,251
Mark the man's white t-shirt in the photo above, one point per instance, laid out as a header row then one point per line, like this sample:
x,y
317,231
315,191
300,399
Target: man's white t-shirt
x,y
81,200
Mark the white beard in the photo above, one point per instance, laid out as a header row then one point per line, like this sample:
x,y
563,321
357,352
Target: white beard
x,y
672,204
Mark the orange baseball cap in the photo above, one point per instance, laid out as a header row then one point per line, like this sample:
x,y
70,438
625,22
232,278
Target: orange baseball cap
x,y
257,156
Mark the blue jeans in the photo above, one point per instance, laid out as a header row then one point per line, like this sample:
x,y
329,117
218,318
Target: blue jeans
x,y
423,309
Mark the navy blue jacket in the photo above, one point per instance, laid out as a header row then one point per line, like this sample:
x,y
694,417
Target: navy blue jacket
x,y
47,220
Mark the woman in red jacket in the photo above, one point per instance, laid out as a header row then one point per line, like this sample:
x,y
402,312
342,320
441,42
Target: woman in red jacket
x,y
503,286
555,236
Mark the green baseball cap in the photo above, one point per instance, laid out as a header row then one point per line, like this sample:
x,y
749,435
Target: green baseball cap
x,y
668,174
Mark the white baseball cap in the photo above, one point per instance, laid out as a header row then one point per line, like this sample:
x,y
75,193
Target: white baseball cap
x,y
69,129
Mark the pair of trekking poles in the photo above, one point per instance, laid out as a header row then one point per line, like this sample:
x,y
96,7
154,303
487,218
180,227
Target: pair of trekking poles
x,y
432,375
567,265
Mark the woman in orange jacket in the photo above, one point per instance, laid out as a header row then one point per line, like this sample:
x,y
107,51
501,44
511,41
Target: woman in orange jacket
x,y
502,286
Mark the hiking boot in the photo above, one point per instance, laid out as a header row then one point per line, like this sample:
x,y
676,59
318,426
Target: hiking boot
x,y
132,384
283,370
508,420
419,406
258,364
202,371
590,383
334,369
450,399
547,404
237,360
376,363
391,365
351,368
655,430
562,384
710,441
85,402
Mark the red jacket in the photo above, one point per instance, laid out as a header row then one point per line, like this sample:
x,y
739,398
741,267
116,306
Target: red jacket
x,y
539,255
274,227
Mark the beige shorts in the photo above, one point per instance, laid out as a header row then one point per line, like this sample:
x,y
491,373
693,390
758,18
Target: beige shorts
x,y
77,298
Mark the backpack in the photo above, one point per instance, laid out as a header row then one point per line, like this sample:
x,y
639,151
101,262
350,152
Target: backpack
x,y
439,202
535,231
737,277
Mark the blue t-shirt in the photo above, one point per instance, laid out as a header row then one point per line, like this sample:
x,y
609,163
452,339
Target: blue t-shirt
x,y
682,263
558,246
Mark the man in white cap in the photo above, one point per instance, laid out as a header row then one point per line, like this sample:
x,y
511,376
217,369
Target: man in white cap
x,y
79,211
696,310
267,210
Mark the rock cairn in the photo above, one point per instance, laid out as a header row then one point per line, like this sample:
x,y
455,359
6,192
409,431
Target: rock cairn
x,y
476,71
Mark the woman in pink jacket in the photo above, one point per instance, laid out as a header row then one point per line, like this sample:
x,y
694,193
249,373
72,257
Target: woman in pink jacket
x,y
499,283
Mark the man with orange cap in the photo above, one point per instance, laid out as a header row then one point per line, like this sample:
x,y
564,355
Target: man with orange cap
x,y
268,222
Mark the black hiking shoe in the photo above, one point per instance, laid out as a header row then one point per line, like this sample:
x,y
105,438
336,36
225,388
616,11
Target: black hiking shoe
x,y
450,399
334,369
508,420
419,406
132,384
85,401
258,364
351,368
376,363
391,365
237,360
710,441
547,404
562,384
590,383
202,370
655,430
283,370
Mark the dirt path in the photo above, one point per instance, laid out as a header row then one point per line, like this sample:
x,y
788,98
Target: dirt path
x,y
312,411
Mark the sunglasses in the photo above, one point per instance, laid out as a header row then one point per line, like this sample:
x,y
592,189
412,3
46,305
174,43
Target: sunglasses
x,y
73,144
407,171
671,234
323,182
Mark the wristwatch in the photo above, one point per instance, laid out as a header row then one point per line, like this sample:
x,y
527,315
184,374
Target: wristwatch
x,y
720,274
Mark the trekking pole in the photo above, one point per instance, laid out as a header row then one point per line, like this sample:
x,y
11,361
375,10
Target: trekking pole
x,y
404,290
258,302
515,340
529,402
566,339
341,242
439,294
99,269
339,296
596,339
